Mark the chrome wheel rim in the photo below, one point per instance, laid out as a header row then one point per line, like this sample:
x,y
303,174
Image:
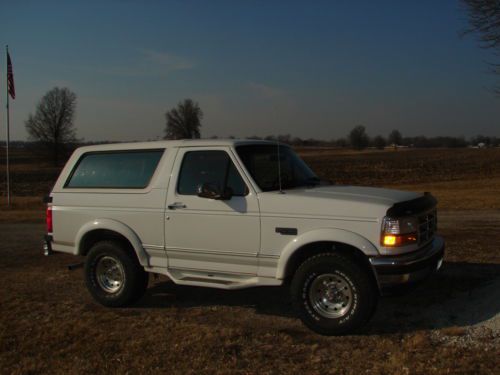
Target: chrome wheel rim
x,y
110,274
330,295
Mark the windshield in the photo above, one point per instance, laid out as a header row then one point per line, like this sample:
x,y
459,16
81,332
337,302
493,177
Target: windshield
x,y
261,161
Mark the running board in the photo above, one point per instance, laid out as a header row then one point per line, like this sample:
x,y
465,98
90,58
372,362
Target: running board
x,y
214,279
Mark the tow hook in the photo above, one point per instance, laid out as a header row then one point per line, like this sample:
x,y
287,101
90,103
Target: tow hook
x,y
47,245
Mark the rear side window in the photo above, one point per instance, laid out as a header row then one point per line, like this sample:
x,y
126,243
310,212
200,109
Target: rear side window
x,y
216,167
115,170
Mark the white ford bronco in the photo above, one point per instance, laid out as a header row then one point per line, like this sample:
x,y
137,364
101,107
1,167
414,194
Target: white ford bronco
x,y
234,214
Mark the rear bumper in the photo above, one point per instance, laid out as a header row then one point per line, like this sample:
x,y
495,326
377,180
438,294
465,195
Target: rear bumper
x,y
47,245
409,268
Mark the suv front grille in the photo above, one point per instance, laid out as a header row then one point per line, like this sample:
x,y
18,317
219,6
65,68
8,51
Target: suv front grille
x,y
427,226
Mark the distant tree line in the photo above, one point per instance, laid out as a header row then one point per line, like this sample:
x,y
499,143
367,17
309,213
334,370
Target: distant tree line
x,y
359,139
378,142
51,128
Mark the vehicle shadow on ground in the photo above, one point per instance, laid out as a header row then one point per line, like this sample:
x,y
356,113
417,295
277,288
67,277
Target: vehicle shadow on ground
x,y
264,300
462,294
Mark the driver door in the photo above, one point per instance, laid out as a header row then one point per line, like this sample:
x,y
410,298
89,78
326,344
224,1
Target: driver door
x,y
211,234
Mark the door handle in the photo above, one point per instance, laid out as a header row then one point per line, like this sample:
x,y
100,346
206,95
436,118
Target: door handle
x,y
176,206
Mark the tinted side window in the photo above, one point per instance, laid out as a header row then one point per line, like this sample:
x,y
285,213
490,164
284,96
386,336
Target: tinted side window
x,y
199,167
117,170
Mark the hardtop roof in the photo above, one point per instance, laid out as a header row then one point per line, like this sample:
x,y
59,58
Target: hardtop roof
x,y
173,144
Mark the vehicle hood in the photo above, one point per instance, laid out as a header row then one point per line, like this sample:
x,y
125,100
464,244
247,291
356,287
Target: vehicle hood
x,y
337,200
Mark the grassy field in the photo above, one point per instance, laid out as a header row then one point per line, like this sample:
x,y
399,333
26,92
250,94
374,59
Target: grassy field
x,y
451,324
31,179
459,178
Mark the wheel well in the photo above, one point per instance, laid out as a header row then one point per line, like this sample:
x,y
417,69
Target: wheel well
x,y
314,248
97,235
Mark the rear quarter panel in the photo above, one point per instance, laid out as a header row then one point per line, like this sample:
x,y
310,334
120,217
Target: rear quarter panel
x,y
142,210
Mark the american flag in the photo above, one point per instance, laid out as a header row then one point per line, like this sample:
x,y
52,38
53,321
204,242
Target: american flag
x,y
10,78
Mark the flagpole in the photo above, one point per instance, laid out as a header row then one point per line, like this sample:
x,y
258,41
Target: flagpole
x,y
8,134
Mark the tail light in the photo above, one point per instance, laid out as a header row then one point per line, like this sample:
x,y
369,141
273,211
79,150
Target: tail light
x,y
48,219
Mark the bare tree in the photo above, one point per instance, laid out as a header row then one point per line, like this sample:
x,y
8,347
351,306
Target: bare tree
x,y
358,137
484,20
52,123
184,121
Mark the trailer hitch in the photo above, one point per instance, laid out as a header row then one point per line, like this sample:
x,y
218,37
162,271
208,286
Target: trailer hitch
x,y
72,267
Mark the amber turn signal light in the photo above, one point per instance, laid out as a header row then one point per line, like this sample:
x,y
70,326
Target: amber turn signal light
x,y
391,240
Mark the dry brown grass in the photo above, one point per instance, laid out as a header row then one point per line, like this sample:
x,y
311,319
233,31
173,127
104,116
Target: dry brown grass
x,y
454,331
412,166
472,194
29,175
49,323
459,178
22,209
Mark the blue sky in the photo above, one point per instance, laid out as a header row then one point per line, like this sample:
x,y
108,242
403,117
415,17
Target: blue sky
x,y
310,69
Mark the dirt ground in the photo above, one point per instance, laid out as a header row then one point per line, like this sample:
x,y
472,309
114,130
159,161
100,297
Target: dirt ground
x,y
450,324
50,324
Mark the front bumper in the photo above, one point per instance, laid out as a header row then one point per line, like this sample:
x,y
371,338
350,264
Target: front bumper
x,y
409,268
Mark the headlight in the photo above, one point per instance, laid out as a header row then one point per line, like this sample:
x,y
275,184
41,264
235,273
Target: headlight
x,y
399,232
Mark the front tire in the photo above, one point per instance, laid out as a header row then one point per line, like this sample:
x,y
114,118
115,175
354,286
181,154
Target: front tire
x,y
333,295
113,276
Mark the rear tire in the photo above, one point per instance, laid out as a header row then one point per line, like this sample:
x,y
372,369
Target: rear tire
x,y
113,276
333,295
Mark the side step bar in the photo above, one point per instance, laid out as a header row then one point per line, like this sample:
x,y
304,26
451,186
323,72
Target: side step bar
x,y
214,279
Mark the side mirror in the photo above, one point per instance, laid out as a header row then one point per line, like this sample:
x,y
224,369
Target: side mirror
x,y
211,191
